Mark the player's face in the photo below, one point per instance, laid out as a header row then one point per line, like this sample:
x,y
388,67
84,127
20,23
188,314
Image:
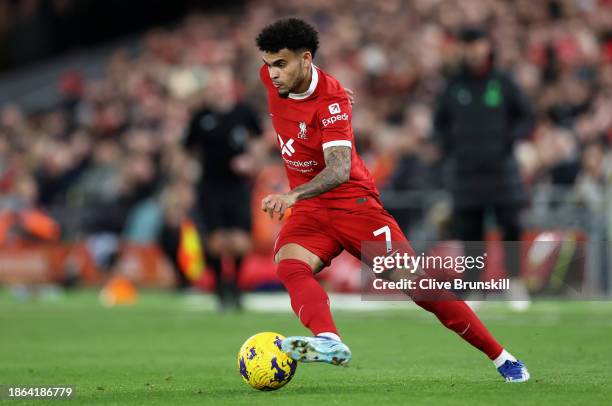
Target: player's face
x,y
288,70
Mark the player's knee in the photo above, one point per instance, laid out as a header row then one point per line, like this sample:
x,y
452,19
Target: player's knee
x,y
295,251
400,274
289,269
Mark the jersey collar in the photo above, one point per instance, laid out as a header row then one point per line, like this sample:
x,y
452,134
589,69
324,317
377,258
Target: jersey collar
x,y
311,88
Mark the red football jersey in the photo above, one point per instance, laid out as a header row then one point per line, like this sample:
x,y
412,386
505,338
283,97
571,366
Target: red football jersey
x,y
309,122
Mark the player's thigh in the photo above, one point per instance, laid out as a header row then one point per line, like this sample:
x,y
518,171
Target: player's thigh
x,y
372,236
371,232
305,236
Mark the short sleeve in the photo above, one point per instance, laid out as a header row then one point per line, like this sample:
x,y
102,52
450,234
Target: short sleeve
x,y
334,117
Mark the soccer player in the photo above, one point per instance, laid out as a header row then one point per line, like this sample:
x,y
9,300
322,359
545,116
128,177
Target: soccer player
x,y
335,204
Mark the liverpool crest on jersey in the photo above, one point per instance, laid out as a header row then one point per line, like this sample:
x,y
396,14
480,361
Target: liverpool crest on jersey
x,y
302,134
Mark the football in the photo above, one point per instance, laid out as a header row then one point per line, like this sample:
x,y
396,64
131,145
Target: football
x,y
262,364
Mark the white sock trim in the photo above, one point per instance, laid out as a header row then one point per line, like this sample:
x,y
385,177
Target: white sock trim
x,y
503,357
333,336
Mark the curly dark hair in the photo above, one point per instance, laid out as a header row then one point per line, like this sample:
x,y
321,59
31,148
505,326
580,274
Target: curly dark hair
x,y
291,33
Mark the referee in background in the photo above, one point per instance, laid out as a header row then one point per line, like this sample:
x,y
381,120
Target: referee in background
x,y
222,133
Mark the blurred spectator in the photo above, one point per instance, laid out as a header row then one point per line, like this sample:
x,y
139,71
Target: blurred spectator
x,y
21,220
594,178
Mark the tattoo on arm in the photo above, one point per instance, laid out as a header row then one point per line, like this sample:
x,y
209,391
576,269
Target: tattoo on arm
x,y
337,171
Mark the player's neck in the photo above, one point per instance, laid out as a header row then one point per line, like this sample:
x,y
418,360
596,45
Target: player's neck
x,y
305,84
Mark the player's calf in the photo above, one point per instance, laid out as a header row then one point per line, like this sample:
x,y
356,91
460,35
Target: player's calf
x,y
455,315
308,299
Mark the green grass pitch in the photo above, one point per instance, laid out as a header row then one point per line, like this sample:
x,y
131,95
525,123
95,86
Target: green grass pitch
x,y
163,352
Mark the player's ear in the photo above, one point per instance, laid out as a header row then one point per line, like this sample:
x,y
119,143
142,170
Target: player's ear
x,y
306,59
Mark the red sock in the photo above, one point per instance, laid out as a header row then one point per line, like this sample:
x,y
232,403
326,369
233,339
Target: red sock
x,y
457,316
308,299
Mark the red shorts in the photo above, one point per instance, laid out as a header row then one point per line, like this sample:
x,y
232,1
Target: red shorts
x,y
327,231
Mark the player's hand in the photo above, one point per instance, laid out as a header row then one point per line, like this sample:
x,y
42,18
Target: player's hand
x,y
350,94
277,203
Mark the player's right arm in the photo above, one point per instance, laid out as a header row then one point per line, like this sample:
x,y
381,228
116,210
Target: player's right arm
x,y
337,171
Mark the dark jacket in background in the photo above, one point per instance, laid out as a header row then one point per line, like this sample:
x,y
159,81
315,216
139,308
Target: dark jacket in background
x,y
477,120
220,137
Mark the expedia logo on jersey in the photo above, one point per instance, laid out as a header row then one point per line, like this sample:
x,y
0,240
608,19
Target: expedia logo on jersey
x,y
331,120
334,108
338,115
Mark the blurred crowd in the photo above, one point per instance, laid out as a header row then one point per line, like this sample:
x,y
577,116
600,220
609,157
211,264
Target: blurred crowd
x,y
109,159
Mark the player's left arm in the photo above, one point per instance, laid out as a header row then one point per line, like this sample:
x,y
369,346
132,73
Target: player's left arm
x,y
337,171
